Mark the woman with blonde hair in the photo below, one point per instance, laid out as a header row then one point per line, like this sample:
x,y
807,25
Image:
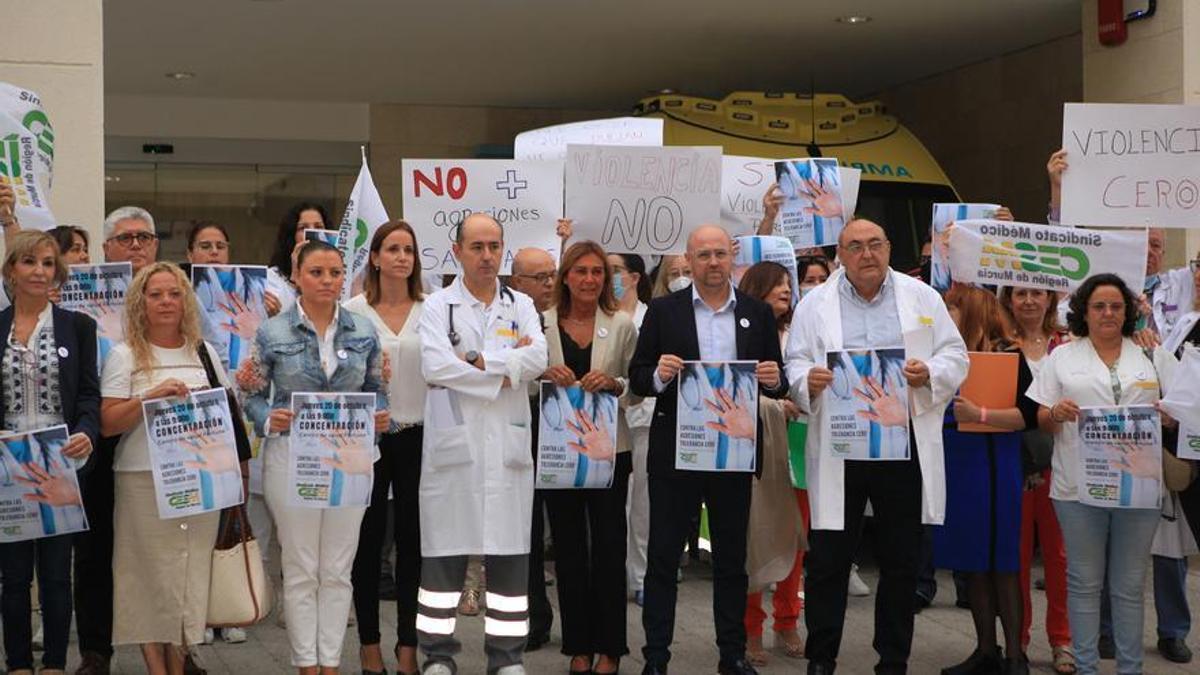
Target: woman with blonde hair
x,y
160,567
672,274
48,376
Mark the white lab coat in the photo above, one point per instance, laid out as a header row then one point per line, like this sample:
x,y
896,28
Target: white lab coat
x,y
476,494
930,336
1172,298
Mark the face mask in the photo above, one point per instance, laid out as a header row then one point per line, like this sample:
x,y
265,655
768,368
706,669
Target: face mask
x,y
618,285
806,288
679,283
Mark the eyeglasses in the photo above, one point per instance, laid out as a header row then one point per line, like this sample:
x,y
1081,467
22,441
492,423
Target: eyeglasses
x,y
213,246
709,254
127,239
1102,307
541,278
874,246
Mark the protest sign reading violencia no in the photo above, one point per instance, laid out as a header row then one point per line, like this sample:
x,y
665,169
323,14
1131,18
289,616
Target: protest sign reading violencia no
x,y
1043,256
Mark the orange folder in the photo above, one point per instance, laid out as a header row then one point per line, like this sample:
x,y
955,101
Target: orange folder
x,y
992,383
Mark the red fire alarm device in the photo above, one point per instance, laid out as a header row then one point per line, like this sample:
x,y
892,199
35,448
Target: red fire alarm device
x,y
1114,21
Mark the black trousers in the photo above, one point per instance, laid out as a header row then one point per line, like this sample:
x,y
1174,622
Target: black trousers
x,y
93,588
52,558
894,489
674,499
399,467
541,614
589,530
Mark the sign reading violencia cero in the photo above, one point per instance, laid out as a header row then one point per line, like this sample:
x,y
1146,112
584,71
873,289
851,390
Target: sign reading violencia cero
x,y
1043,256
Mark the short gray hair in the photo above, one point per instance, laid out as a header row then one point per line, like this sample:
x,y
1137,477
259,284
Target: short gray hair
x,y
126,213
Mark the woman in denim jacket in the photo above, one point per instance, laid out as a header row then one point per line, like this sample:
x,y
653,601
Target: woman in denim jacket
x,y
313,346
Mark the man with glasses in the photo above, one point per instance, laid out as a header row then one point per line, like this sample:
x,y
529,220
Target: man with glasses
x,y
867,305
128,237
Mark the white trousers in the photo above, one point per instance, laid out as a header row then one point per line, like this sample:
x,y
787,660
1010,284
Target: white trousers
x,y
638,509
318,547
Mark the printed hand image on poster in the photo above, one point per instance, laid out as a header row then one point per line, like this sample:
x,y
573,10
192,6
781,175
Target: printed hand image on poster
x,y
331,450
39,491
756,249
99,291
577,437
231,308
1120,457
812,213
866,405
717,416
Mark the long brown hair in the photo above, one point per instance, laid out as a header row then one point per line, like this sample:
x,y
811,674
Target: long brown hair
x,y
371,285
981,321
562,295
762,278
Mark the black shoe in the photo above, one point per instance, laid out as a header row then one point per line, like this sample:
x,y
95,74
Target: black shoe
x,y
93,663
921,604
816,668
190,667
739,667
962,603
652,669
1174,650
977,663
1014,666
536,640
1106,647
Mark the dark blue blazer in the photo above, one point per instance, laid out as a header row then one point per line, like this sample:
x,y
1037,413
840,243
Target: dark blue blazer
x,y
78,376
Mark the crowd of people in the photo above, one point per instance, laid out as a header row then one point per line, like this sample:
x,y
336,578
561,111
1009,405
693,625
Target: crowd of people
x,y
452,369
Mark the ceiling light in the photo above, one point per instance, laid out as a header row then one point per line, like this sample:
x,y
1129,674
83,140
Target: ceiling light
x,y
853,19
181,75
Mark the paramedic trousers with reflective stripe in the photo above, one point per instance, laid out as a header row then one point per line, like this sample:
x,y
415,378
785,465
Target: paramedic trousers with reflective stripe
x,y
506,619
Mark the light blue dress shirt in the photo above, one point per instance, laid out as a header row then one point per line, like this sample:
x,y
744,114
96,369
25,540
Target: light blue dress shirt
x,y
715,331
873,324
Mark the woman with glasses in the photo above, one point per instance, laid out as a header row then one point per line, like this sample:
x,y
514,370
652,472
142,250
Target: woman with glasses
x,y
48,376
590,345
1103,367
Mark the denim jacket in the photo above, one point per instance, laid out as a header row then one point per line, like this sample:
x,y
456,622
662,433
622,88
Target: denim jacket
x,y
286,359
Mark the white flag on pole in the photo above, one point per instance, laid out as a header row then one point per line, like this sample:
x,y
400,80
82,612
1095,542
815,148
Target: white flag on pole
x,y
364,214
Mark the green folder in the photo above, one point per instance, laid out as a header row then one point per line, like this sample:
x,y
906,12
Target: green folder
x,y
797,431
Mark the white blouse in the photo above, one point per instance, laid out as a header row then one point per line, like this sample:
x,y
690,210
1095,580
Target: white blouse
x,y
406,387
1075,371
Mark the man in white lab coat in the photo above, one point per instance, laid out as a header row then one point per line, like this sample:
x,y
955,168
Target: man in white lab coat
x,y
867,305
481,344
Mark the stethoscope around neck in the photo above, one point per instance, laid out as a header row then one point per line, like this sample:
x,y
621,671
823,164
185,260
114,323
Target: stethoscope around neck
x,y
453,335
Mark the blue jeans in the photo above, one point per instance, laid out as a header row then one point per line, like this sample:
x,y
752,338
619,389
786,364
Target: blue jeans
x,y
53,558
1170,600
1116,542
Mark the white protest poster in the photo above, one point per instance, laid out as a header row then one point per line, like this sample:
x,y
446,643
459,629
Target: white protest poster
x,y
99,291
866,406
39,491
193,454
525,197
812,213
753,250
317,234
27,155
577,437
1043,256
331,450
1182,402
364,214
642,199
716,420
1131,164
1120,457
945,215
744,183
552,142
231,307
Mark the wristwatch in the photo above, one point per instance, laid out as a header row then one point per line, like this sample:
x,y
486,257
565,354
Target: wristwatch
x,y
471,357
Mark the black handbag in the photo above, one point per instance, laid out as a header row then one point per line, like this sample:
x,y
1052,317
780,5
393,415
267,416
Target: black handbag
x,y
242,439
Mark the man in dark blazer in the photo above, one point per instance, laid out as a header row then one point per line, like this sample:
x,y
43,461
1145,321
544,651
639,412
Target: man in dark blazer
x,y
710,321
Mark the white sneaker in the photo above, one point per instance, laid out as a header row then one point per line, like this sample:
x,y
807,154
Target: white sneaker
x,y
438,669
234,636
857,587
514,669
209,636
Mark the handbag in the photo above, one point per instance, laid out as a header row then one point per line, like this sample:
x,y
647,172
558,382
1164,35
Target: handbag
x,y
240,437
238,591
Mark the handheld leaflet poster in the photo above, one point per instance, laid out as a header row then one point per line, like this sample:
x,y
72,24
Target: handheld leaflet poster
x,y
1120,457
231,308
317,234
1182,401
331,449
945,215
992,383
577,437
866,405
99,291
193,454
716,416
39,491
812,213
756,249
744,183
551,142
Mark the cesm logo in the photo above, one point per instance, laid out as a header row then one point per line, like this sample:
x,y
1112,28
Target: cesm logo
x,y
1008,255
